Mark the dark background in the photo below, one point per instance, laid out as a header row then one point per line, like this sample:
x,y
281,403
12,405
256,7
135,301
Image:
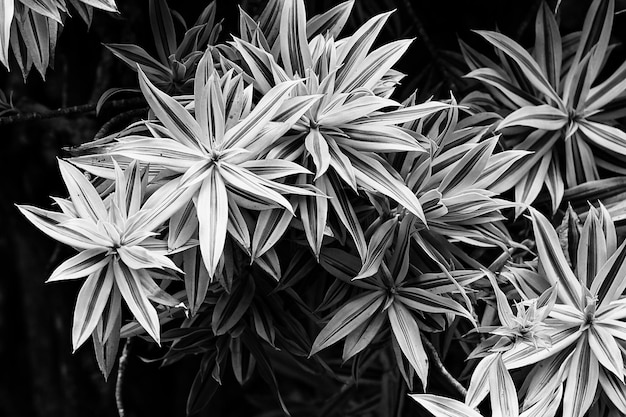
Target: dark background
x,y
39,375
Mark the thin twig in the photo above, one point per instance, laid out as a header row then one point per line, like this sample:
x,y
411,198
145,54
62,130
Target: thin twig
x,y
120,377
117,120
69,111
442,369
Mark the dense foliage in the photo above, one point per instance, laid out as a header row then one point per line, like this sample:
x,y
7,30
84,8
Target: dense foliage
x,y
276,198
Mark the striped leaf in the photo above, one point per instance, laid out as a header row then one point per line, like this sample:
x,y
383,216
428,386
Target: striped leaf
x,y
524,354
582,380
106,5
294,47
86,199
87,262
503,392
230,308
197,279
250,190
357,46
548,50
479,383
380,241
606,350
466,171
526,63
270,227
347,319
375,66
162,26
606,137
553,261
378,138
596,32
329,23
245,132
362,336
129,284
422,300
444,407
7,9
609,90
212,210
407,334
316,146
371,174
505,90
133,55
610,281
181,125
167,153
91,301
592,252
614,389
539,117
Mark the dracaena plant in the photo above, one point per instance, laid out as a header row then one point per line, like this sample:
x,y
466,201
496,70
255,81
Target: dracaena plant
x,y
556,102
340,137
216,152
174,67
31,28
569,327
119,251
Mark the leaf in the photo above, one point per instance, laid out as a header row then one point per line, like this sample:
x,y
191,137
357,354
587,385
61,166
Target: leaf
x,y
49,223
373,175
85,263
380,241
592,253
362,336
479,384
503,392
582,381
86,199
314,216
212,209
548,49
376,65
106,5
329,23
182,126
526,63
133,55
6,11
270,227
614,389
128,282
606,137
444,407
347,319
606,350
230,308
610,281
197,279
407,334
426,301
542,117
162,26
91,301
468,169
596,31
317,147
294,48
553,260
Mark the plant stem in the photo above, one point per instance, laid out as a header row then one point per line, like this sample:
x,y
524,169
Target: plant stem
x,y
442,369
69,111
118,119
120,377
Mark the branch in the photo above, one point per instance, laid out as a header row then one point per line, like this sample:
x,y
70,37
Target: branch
x,y
69,111
119,119
442,369
120,377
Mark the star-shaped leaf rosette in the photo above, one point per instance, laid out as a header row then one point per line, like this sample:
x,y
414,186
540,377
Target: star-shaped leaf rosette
x,y
215,154
119,248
